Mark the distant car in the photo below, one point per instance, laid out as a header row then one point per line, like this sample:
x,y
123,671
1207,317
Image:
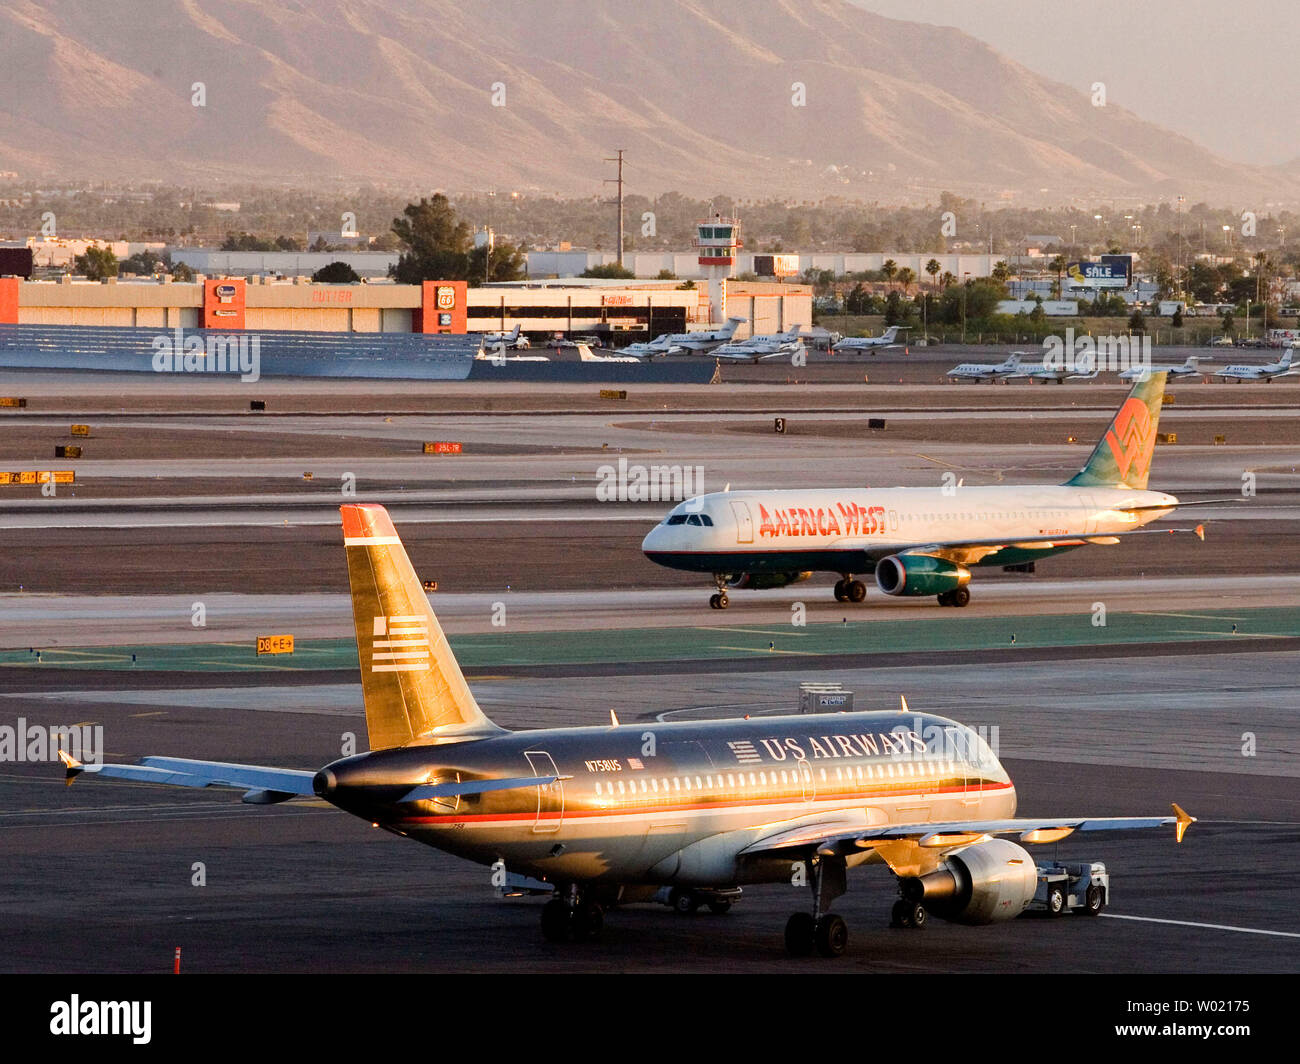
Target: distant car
x,y
1221,341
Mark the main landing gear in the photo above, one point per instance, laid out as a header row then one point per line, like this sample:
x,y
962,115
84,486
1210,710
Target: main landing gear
x,y
572,918
958,596
825,932
720,600
909,914
849,590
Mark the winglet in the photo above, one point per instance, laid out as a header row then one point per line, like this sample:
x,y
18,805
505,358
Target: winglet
x,y
1200,533
903,699
74,767
1183,821
613,719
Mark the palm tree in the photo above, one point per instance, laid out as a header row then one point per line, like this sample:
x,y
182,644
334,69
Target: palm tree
x,y
932,267
1001,272
889,269
948,279
1058,264
905,278
1262,267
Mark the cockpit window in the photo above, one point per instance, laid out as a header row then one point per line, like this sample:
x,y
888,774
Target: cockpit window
x,y
706,520
676,519
694,519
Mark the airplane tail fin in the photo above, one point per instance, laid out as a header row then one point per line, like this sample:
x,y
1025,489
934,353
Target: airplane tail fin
x,y
410,680
1013,360
889,333
1285,360
1122,457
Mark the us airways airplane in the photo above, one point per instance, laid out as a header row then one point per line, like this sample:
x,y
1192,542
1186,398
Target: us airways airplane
x,y
611,814
1266,373
920,541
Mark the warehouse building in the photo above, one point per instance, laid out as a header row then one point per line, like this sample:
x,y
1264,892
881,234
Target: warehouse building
x,y
617,312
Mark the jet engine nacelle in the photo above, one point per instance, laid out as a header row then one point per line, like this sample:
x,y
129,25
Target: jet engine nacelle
x,y
982,884
766,581
919,574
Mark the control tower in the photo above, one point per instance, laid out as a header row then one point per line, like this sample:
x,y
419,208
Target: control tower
x,y
718,240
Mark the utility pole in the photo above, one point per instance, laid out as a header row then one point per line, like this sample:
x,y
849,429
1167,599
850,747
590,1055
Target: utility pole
x,y
1178,259
619,200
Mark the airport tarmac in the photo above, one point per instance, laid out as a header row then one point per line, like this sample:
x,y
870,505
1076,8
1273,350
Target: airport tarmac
x,y
305,888
183,497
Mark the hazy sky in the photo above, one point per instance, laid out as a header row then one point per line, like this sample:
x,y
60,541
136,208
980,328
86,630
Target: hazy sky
x,y
1224,74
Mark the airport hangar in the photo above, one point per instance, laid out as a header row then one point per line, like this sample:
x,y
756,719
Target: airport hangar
x,y
616,311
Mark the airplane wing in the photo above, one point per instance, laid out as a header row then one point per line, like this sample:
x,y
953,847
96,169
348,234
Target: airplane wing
x,y
832,839
263,785
968,551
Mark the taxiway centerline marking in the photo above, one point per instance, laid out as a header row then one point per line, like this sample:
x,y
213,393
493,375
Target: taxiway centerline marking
x,y
1211,927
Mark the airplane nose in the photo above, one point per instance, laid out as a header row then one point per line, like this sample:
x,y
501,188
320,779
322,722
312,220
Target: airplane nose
x,y
652,538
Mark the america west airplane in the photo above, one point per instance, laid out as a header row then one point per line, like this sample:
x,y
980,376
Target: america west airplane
x,y
614,814
920,541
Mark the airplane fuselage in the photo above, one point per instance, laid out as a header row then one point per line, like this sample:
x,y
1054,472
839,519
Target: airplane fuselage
x,y
676,803
847,531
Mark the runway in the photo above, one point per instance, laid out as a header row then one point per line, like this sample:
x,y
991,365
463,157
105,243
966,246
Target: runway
x,y
185,497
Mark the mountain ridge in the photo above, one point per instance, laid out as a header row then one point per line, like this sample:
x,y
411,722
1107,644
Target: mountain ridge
x,y
402,92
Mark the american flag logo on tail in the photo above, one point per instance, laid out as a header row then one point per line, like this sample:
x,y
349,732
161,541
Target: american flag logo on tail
x,y
401,644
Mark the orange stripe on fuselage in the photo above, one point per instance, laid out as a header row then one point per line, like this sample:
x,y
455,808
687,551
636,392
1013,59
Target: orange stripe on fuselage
x,y
630,810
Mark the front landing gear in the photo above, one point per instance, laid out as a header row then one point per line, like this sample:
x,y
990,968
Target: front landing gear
x,y
827,933
572,919
720,600
958,596
850,590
